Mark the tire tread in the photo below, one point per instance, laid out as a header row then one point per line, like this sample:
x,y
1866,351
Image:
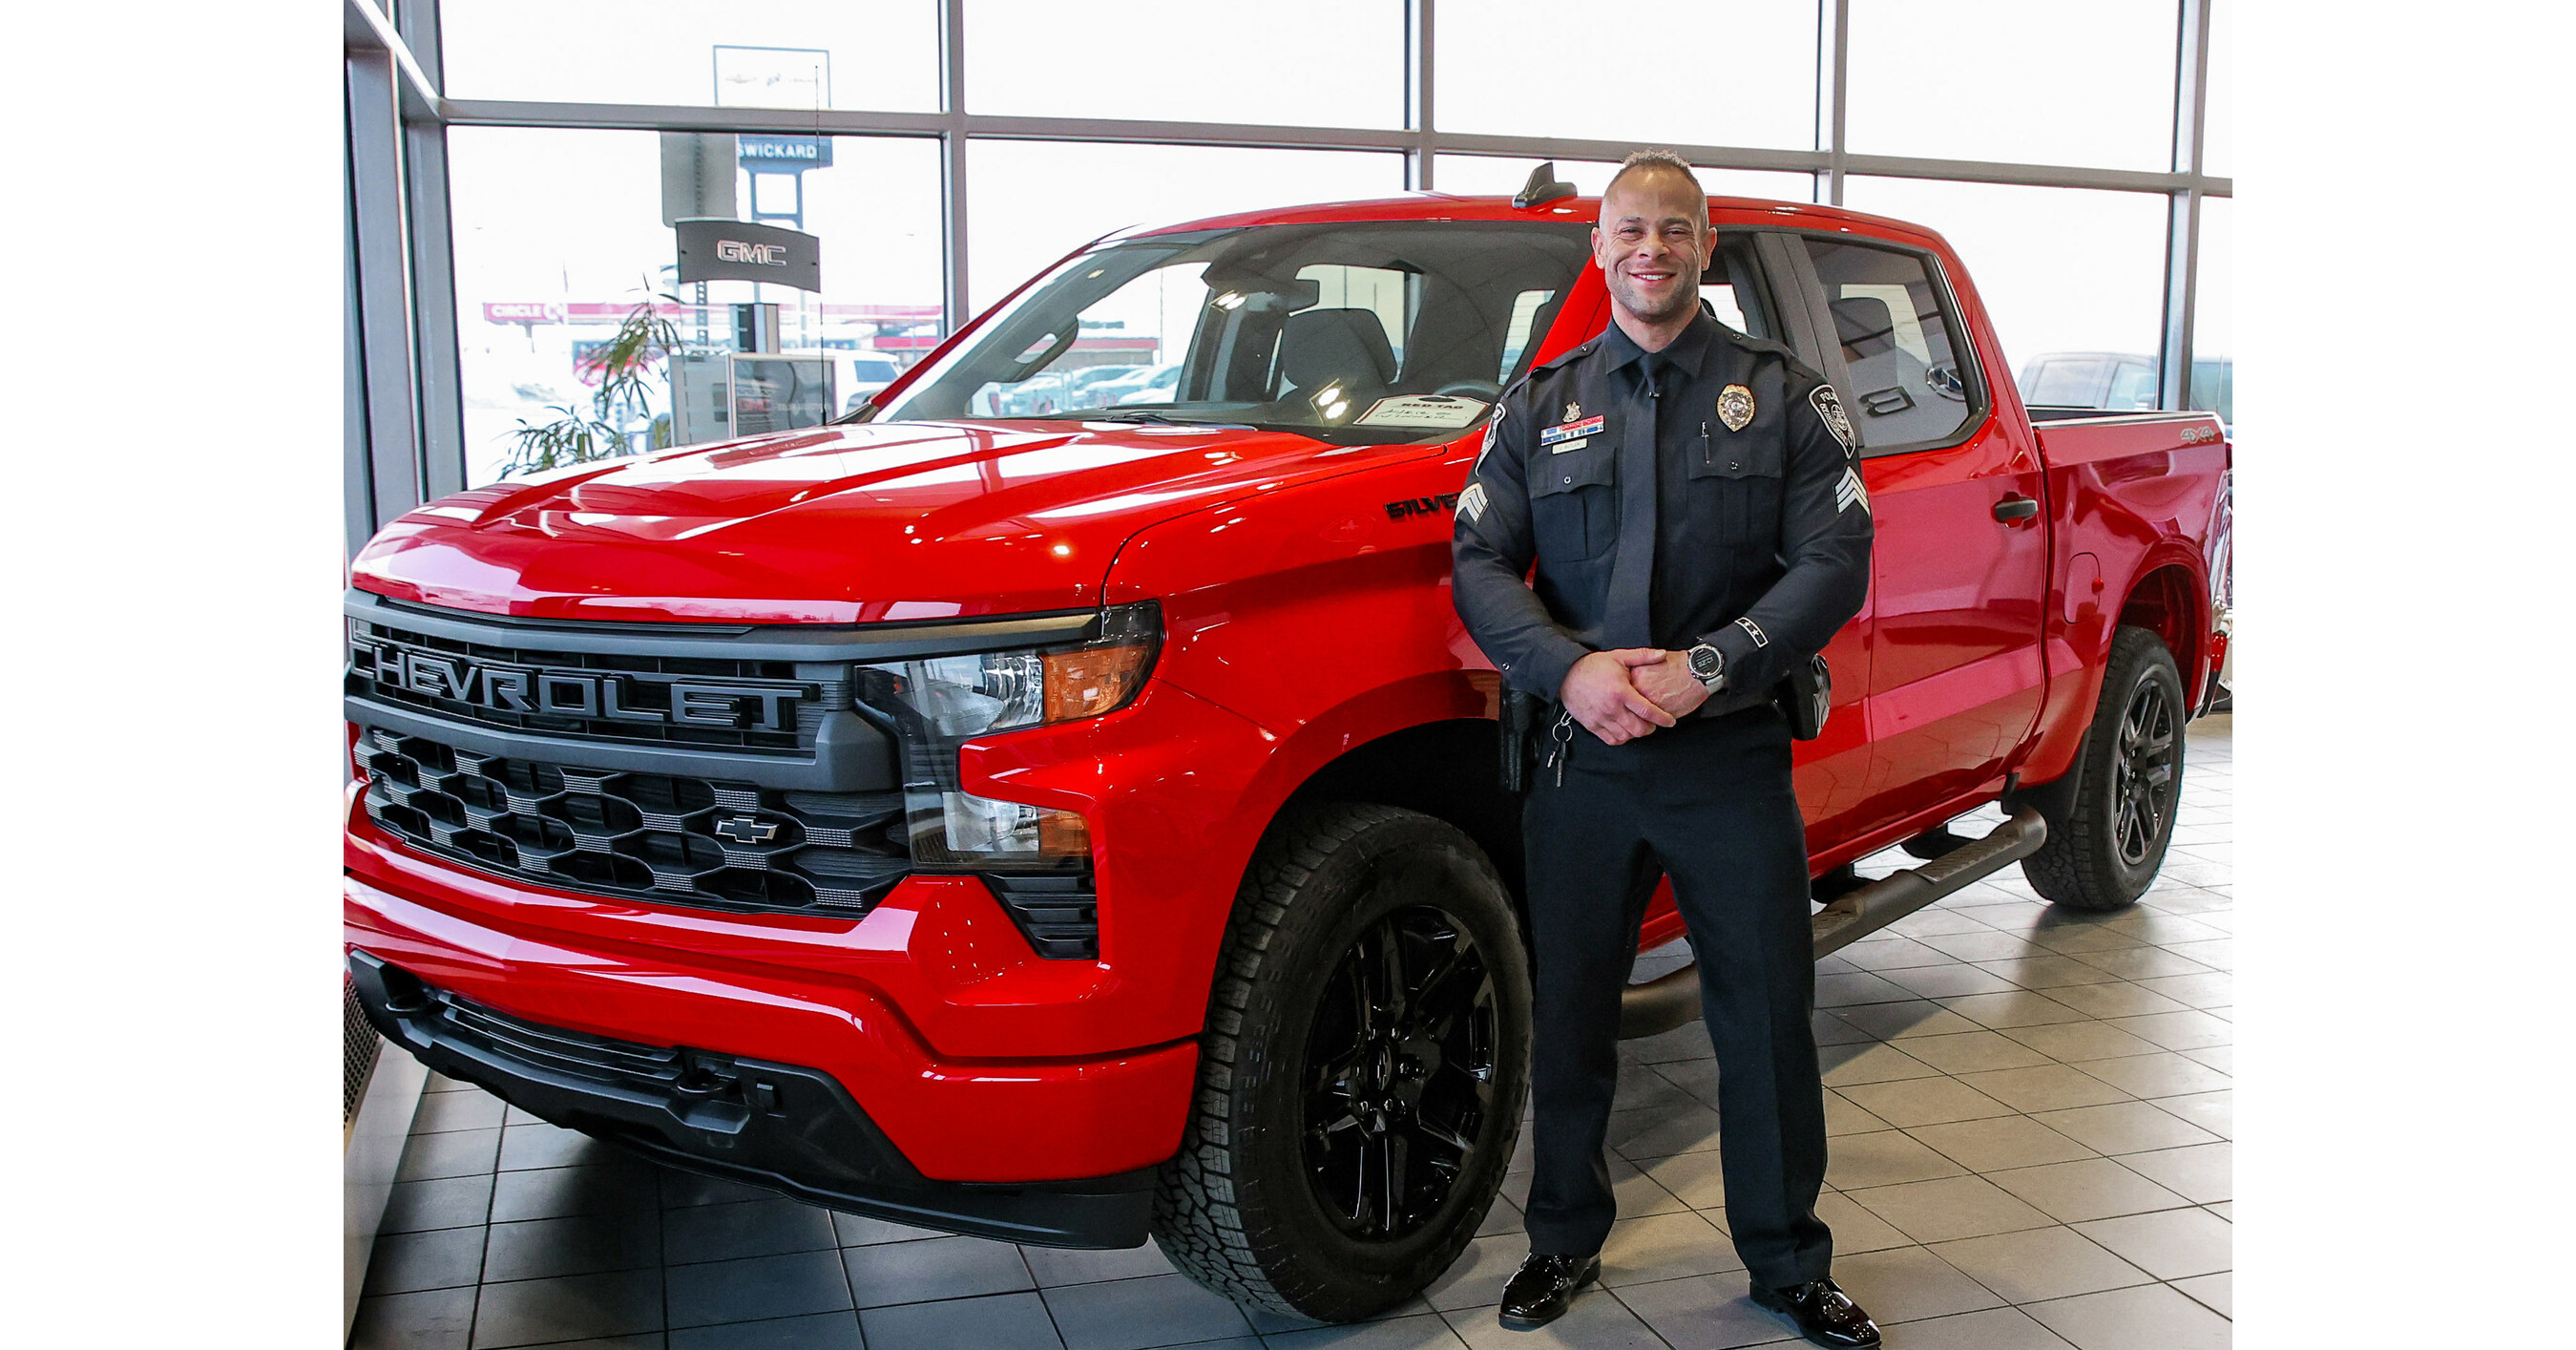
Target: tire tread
x,y
1200,1218
2074,868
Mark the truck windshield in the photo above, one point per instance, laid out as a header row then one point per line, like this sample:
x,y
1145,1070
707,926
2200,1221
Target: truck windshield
x,y
1353,333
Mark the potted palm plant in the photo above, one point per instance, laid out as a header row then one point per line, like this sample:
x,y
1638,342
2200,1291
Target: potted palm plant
x,y
630,358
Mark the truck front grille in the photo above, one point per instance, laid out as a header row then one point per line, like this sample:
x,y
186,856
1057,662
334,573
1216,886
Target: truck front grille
x,y
593,696
657,837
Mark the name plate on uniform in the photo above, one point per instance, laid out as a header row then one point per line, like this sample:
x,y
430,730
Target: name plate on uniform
x,y
1570,431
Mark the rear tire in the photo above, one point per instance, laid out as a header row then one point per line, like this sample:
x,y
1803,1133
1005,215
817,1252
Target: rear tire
x,y
2106,852
1363,1070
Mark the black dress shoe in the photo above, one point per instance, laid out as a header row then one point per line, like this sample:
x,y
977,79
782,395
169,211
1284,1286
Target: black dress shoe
x,y
1822,1312
1541,1288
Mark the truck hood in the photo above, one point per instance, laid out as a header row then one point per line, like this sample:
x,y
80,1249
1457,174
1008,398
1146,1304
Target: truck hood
x,y
859,524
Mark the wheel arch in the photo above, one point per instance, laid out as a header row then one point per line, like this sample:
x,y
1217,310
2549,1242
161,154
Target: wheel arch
x,y
2169,600
1448,770
1427,743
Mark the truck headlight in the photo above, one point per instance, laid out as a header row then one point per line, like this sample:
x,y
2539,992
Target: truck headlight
x,y
940,703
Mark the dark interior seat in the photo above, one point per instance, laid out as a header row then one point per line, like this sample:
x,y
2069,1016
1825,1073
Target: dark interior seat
x,y
1345,347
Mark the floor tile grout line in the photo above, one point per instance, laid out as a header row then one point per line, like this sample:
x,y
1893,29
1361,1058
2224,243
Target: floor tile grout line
x,y
1043,1306
841,1263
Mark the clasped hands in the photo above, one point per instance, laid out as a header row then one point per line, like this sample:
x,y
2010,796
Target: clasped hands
x,y
1628,692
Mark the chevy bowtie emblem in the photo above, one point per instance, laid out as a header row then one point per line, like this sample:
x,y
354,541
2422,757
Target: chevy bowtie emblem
x,y
745,830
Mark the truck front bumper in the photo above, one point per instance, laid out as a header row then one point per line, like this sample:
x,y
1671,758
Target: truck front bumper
x,y
782,1126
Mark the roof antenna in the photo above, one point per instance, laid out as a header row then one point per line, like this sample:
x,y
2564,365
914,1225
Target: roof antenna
x,y
1542,187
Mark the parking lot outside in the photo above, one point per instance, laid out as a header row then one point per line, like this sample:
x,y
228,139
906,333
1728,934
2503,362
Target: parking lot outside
x,y
2030,1121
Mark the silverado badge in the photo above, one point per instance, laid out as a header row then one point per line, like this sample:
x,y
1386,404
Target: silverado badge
x,y
1735,406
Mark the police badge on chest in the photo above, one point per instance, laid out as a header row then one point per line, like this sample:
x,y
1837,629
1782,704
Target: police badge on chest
x,y
1735,407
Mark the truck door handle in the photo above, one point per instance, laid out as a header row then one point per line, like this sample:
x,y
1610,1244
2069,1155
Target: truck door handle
x,y
2016,507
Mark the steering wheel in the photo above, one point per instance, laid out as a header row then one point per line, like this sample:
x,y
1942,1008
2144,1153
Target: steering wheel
x,y
1484,389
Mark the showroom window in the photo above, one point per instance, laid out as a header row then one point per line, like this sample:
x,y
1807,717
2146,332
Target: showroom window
x,y
1497,176
926,213
2218,111
1324,63
560,236
2061,270
1531,68
2026,81
1908,386
881,55
1035,201
2213,323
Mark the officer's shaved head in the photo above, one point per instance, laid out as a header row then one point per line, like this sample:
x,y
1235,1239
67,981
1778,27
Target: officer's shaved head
x,y
1653,240
1657,161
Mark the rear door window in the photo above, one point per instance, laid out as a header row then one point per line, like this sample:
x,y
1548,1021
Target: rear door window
x,y
1910,386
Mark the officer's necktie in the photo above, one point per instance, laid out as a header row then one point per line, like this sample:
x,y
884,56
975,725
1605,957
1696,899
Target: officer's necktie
x,y
1627,621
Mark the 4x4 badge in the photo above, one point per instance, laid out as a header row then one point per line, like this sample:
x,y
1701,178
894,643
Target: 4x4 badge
x,y
745,830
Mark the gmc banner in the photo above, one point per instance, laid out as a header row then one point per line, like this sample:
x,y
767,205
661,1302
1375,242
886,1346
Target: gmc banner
x,y
737,250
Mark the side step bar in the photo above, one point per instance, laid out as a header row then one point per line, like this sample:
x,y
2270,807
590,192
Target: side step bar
x,y
1661,1004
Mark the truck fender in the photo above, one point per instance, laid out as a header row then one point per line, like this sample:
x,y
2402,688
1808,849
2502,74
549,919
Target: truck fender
x,y
1369,715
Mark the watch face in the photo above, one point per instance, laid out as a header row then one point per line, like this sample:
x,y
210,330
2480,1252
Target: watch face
x,y
1706,662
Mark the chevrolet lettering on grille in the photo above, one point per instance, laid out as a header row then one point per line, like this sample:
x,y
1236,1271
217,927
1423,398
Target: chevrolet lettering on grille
x,y
551,692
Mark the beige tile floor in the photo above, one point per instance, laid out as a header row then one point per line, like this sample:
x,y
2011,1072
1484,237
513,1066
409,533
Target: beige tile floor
x,y
2030,1121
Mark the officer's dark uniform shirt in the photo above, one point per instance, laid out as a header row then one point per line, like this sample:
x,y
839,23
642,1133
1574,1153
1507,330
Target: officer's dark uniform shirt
x,y
1760,535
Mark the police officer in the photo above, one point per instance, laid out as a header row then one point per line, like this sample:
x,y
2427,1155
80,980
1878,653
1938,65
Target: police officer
x,y
1692,503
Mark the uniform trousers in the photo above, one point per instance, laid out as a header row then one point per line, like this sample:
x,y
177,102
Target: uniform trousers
x,y
1709,803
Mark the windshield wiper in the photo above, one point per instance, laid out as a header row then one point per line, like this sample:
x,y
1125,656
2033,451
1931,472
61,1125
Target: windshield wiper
x,y
1146,415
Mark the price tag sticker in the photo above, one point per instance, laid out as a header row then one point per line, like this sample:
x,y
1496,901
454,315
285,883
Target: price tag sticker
x,y
1437,412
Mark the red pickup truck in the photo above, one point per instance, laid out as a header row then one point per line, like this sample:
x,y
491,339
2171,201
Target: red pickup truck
x,y
1067,828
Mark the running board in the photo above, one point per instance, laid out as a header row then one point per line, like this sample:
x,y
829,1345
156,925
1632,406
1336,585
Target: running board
x,y
1661,1004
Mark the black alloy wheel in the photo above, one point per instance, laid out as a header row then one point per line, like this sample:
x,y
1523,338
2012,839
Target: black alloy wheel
x,y
2105,846
2144,783
1363,1069
1400,1073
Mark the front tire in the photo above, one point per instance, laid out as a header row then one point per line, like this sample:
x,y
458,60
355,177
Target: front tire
x,y
1363,1071
2106,852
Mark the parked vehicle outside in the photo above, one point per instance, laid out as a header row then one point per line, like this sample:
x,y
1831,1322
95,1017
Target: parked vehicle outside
x,y
2123,382
862,374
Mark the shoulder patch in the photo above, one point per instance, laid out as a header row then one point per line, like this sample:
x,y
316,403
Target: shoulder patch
x,y
1831,410
1471,503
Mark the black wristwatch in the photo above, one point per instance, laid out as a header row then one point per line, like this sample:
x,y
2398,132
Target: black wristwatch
x,y
1709,665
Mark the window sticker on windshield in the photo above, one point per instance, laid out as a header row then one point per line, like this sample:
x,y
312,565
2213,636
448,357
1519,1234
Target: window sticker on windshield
x,y
1440,411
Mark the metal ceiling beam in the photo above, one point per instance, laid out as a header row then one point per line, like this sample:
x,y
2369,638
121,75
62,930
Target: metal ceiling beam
x,y
1396,140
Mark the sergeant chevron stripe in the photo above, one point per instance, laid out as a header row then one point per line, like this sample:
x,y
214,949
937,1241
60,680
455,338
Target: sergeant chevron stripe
x,y
1848,492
